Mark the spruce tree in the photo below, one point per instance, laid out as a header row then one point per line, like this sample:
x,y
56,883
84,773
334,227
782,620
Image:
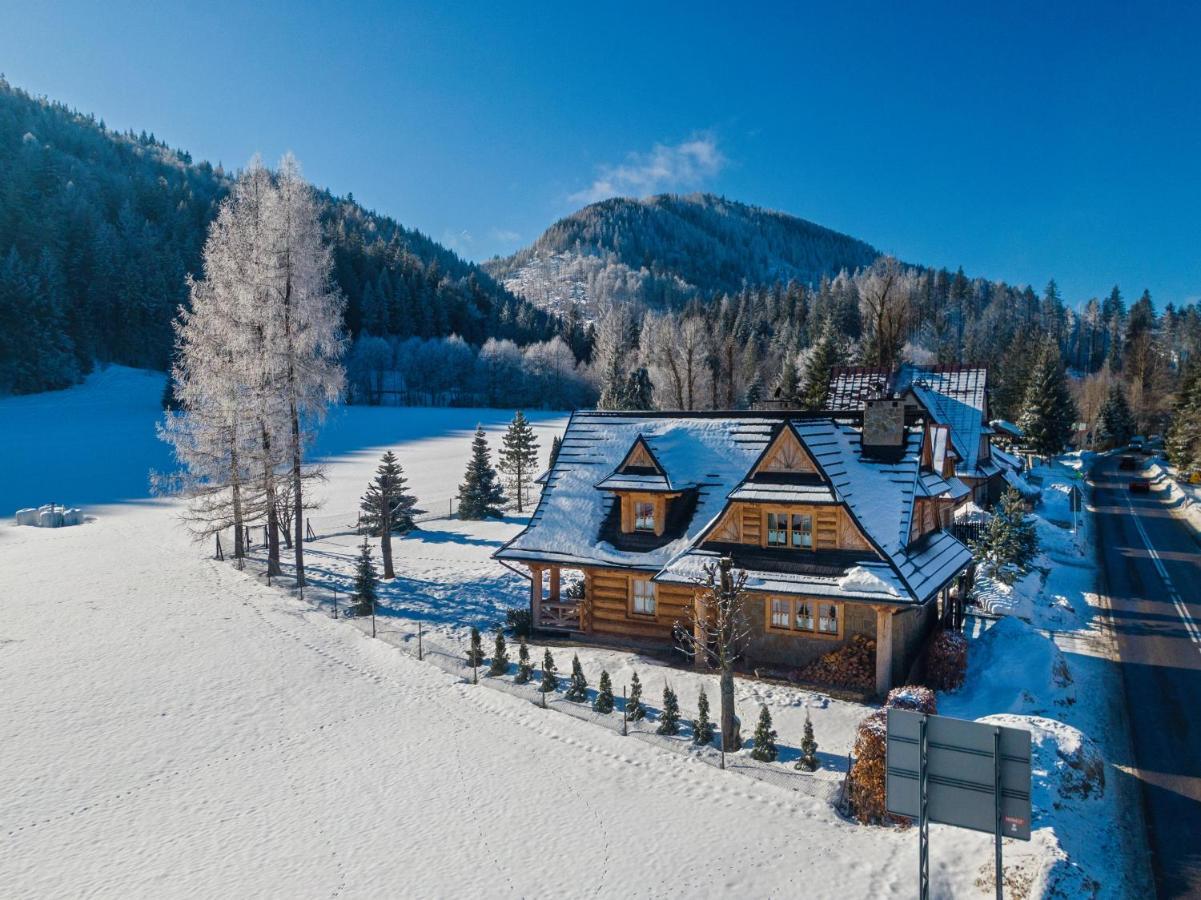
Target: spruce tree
x,y
577,688
639,391
555,444
525,670
518,458
480,497
808,761
635,711
825,356
1183,440
789,385
702,726
500,655
1009,542
366,581
1115,423
669,719
1048,411
475,652
549,680
604,695
755,390
387,508
765,738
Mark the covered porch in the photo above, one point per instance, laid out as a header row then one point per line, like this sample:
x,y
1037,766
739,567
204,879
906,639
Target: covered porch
x,y
553,605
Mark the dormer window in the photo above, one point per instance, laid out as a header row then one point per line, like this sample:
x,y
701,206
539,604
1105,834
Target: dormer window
x,y
790,530
644,515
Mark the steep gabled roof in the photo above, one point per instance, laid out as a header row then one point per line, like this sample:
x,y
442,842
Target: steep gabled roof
x,y
640,470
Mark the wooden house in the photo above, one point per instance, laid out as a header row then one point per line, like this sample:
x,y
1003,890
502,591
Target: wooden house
x,y
838,521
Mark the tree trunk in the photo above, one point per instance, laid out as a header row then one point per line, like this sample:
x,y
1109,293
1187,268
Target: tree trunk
x,y
235,484
730,739
269,499
297,498
385,536
520,486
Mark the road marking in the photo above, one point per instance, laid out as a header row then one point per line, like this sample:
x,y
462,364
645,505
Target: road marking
x,y
1190,626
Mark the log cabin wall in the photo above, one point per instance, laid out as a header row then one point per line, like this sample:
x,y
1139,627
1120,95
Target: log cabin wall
x,y
608,601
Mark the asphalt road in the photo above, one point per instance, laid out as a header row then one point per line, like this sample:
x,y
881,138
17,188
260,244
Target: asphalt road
x,y
1152,562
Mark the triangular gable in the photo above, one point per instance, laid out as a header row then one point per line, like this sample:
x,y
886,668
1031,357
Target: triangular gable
x,y
640,457
786,454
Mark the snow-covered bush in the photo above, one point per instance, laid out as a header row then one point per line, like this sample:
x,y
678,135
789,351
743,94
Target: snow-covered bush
x,y
914,697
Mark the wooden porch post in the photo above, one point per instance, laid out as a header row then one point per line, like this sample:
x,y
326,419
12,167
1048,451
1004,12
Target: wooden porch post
x,y
535,596
883,649
554,584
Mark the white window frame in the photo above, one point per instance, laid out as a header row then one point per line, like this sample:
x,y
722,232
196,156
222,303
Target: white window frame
x,y
643,600
797,530
824,620
644,522
780,612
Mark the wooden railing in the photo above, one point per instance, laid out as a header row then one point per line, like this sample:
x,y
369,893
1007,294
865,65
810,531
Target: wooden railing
x,y
560,615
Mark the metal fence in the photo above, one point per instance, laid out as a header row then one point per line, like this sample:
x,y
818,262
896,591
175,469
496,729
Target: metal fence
x,y
411,638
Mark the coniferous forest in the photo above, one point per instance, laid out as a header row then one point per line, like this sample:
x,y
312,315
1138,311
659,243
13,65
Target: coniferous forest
x,y
690,302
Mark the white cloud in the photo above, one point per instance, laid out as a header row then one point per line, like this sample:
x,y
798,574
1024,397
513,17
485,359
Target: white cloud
x,y
664,168
504,235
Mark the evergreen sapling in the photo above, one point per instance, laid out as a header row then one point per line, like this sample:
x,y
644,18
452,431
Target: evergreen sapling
x,y
519,457
475,653
808,761
702,727
480,497
366,580
525,670
765,738
577,688
549,681
635,711
604,695
500,655
669,720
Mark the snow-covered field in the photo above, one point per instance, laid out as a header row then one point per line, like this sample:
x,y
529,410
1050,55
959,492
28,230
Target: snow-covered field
x,y
175,727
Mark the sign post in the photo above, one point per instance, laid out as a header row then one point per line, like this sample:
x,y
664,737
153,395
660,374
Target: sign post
x,y
968,774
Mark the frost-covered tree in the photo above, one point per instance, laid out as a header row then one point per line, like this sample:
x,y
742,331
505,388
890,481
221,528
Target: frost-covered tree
x,y
1115,423
518,458
388,508
825,355
577,687
611,355
480,496
1047,408
1183,440
1009,542
885,295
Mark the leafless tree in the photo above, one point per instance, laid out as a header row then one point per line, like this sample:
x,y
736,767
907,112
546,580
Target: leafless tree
x,y
714,631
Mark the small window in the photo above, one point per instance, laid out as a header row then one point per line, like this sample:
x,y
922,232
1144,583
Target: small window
x,y
644,597
804,616
777,530
827,618
644,516
779,612
802,532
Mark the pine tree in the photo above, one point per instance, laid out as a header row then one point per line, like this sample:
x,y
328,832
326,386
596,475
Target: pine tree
x,y
755,390
765,738
577,688
669,719
525,671
639,391
518,457
808,761
635,711
500,655
475,653
366,580
480,497
702,727
1115,424
1048,412
387,507
1009,542
549,680
827,353
1183,440
789,385
555,444
604,695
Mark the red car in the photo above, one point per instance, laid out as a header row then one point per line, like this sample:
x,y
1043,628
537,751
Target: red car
x,y
1140,486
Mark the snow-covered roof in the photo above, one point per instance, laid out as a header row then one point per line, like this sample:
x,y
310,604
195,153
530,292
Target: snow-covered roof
x,y
717,454
621,481
1007,428
1008,460
955,396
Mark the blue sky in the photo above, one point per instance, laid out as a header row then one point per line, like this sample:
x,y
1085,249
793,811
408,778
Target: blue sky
x,y
1033,141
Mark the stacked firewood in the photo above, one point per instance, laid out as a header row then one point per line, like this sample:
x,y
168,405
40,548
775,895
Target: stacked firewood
x,y
852,665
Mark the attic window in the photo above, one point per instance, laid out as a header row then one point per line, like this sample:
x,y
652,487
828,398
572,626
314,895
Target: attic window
x,y
644,516
790,530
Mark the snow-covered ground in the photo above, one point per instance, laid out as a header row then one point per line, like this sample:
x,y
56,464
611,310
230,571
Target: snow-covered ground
x,y
173,726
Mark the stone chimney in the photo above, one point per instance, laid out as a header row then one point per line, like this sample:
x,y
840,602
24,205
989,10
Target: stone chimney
x,y
883,425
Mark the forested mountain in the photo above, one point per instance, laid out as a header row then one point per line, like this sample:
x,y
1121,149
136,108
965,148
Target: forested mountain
x,y
98,231
665,250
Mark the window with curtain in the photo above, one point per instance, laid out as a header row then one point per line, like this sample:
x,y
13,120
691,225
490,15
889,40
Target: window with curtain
x,y
644,597
644,516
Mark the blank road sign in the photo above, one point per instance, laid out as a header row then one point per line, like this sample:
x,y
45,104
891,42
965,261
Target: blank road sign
x,y
960,773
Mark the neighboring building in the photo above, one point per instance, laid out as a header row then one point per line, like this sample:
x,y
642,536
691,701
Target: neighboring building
x,y
837,519
953,396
